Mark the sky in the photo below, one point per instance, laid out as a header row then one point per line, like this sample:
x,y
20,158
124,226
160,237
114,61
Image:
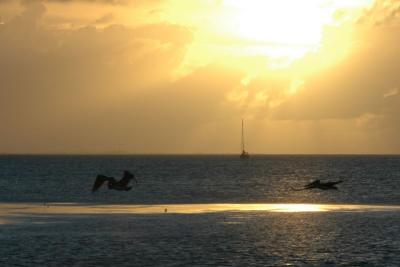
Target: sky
x,y
172,76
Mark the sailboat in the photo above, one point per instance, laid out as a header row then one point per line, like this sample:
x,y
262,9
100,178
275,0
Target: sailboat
x,y
244,155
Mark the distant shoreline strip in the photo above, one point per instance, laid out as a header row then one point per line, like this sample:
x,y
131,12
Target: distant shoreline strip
x,y
18,209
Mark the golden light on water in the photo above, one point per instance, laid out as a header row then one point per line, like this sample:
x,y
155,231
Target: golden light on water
x,y
10,211
298,208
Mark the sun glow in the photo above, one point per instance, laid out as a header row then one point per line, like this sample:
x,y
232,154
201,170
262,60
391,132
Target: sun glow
x,y
282,29
298,208
284,22
256,35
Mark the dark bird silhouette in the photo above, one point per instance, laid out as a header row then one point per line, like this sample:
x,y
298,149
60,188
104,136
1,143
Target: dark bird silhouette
x,y
121,185
319,185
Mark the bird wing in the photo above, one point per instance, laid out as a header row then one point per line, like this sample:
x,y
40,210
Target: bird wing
x,y
313,184
100,179
333,183
126,179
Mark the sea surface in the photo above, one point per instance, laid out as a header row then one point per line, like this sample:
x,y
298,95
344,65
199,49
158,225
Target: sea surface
x,y
200,211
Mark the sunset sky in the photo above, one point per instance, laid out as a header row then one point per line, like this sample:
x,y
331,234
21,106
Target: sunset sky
x,y
177,76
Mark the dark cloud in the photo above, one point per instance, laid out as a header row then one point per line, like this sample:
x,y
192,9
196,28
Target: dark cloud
x,y
106,2
103,2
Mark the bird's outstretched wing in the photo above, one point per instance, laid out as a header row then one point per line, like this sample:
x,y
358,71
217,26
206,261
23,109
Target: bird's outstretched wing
x,y
100,179
313,184
333,183
127,178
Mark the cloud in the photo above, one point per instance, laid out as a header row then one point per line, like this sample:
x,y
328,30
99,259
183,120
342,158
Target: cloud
x,y
391,92
352,87
383,12
102,2
359,91
90,90
55,82
109,2
107,18
114,89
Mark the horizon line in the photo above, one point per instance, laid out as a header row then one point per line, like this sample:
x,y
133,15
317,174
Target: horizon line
x,y
192,154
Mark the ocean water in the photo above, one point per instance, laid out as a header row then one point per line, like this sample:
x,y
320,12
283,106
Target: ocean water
x,y
200,211
201,179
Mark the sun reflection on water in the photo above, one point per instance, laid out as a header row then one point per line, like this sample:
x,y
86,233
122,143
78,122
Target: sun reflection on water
x,y
298,208
7,210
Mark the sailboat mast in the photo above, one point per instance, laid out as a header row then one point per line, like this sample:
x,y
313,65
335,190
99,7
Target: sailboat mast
x,y
244,154
242,137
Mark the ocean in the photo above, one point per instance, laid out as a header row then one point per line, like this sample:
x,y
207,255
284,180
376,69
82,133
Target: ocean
x,y
200,211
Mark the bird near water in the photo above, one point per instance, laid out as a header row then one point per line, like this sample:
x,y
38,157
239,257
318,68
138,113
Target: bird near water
x,y
121,185
319,185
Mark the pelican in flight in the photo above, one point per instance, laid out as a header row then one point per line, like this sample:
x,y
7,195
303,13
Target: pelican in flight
x,y
121,185
318,184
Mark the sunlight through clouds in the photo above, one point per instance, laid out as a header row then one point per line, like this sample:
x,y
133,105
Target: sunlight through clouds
x,y
307,74
280,28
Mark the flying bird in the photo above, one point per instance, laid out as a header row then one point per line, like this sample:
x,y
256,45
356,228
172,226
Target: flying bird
x,y
121,185
319,185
